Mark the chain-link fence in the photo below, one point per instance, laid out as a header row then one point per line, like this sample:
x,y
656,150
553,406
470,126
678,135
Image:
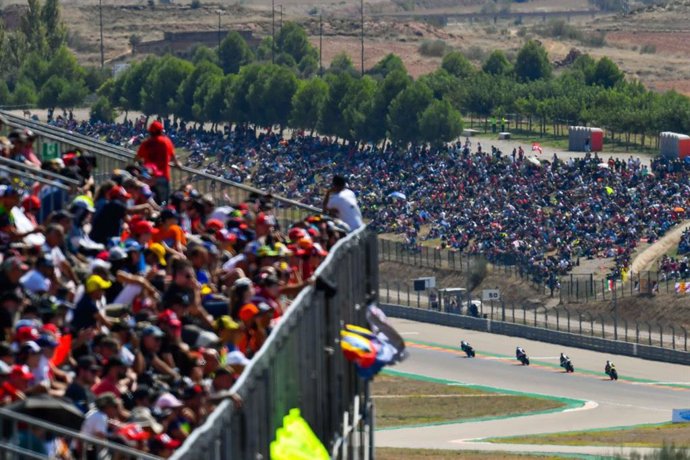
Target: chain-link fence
x,y
560,318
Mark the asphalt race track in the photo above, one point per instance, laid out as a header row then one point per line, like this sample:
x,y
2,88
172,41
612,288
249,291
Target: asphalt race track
x,y
645,393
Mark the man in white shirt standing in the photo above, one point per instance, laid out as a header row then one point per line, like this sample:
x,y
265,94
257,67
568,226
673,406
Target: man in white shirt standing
x,y
341,202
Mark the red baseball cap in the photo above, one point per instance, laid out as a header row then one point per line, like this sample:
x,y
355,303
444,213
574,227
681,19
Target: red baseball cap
x,y
21,371
214,224
26,333
224,236
141,227
156,127
170,318
31,202
118,192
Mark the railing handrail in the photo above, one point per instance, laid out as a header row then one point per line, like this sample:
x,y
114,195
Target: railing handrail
x,y
121,153
24,167
23,418
32,176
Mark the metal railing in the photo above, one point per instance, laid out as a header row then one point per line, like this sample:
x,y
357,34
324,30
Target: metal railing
x,y
448,259
12,424
584,288
301,366
42,173
110,157
563,319
59,193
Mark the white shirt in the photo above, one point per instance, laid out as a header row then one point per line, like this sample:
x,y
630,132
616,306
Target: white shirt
x,y
35,282
345,202
95,423
232,263
57,256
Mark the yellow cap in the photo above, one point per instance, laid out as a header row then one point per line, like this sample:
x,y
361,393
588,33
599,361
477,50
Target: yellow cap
x,y
95,282
225,322
159,250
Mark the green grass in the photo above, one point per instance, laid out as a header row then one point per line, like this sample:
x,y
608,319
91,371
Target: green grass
x,y
389,453
656,435
404,401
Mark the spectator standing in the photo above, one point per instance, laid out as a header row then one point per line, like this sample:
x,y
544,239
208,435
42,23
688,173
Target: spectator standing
x,y
341,202
158,150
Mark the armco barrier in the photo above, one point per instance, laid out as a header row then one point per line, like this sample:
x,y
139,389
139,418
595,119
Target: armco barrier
x,y
301,366
535,333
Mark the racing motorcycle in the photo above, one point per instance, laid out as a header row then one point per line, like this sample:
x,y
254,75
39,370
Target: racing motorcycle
x,y
611,371
467,348
567,364
521,356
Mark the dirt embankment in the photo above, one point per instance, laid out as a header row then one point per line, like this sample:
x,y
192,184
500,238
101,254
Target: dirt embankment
x,y
646,259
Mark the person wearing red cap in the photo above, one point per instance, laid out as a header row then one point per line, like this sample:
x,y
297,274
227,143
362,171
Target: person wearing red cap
x,y
31,204
158,150
17,383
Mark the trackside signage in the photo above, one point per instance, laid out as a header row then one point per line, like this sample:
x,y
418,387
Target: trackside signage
x,y
680,416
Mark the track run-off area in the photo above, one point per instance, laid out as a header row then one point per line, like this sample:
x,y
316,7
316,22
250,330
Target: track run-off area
x,y
646,392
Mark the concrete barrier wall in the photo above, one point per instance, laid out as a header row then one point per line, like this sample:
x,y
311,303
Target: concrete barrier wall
x,y
543,335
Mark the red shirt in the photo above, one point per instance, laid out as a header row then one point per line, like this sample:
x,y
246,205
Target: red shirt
x,y
159,150
104,386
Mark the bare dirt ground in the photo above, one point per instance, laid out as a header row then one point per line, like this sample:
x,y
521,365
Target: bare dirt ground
x,y
666,29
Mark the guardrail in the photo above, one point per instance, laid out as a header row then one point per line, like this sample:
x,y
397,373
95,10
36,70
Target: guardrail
x,y
562,337
301,366
109,157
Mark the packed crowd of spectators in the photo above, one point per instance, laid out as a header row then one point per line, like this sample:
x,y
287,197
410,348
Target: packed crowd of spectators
x,y
543,213
136,305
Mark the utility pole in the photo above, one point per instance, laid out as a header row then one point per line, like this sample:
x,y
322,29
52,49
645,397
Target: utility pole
x,y
219,13
362,38
100,16
273,31
320,43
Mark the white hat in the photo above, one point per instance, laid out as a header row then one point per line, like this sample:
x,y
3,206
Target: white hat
x,y
99,263
168,401
236,358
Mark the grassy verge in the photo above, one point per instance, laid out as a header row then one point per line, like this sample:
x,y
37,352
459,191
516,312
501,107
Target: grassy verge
x,y
677,434
386,453
404,401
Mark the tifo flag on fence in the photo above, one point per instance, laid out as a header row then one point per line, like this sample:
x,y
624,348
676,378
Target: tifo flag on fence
x,y
536,147
612,285
682,287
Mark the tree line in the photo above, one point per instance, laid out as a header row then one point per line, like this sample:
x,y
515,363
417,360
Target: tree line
x,y
236,84
37,67
281,84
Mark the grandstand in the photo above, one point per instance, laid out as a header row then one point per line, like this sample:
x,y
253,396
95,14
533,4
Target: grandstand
x,y
293,367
